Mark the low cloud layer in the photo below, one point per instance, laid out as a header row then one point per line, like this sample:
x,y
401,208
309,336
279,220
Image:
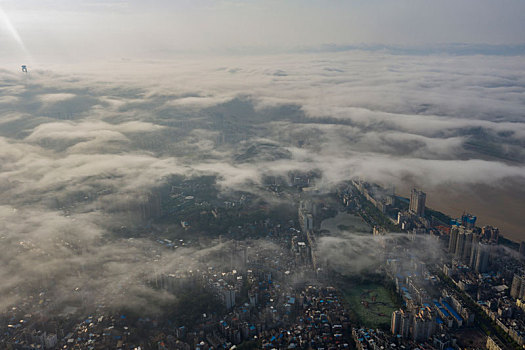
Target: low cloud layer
x,y
76,149
351,253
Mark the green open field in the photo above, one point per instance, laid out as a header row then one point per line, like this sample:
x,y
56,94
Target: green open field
x,y
371,304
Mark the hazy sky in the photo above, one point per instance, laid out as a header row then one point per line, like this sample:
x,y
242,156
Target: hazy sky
x,y
74,29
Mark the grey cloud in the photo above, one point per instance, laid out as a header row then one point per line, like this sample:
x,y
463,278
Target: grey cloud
x,y
353,253
76,152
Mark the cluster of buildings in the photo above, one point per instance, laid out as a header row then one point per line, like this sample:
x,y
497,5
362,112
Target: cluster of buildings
x,y
303,179
403,215
277,297
92,332
264,302
382,200
321,322
254,284
488,278
414,218
471,245
431,312
488,274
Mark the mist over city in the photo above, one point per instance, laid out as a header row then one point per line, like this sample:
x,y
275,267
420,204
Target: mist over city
x,y
249,174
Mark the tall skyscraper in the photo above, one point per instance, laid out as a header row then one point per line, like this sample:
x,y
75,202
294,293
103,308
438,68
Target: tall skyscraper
x,y
518,286
453,240
482,257
467,248
423,328
417,202
396,322
474,250
404,329
228,296
460,244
